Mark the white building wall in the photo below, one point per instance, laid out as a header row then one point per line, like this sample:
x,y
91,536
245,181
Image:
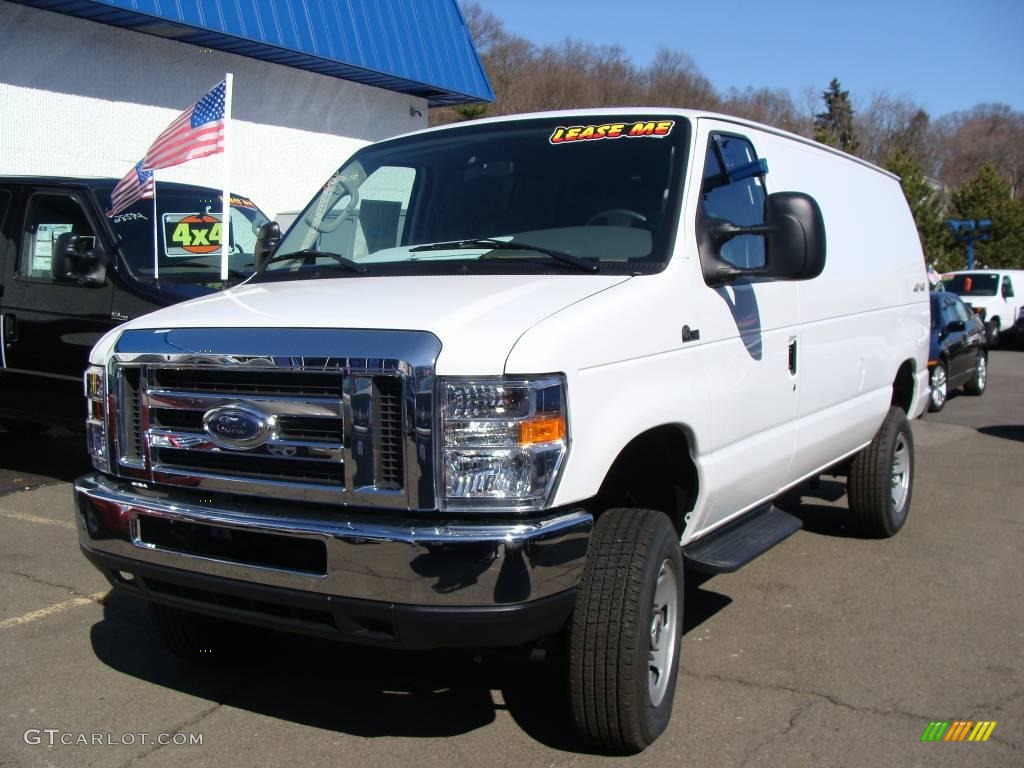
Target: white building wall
x,y
79,98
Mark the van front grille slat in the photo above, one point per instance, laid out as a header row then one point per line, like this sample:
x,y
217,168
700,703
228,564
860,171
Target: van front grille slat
x,y
304,453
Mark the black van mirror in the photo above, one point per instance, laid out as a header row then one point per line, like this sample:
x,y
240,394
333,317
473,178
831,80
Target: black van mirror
x,y
794,232
267,240
78,259
64,258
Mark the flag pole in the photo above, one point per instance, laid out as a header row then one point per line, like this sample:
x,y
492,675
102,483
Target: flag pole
x,y
225,220
156,241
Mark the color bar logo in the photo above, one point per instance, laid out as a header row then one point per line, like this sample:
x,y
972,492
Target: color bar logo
x,y
958,730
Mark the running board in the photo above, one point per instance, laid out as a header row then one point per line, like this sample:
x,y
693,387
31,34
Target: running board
x,y
737,543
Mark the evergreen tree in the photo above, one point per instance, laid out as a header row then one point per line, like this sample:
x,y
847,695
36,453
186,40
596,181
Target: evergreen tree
x,y
834,126
987,196
926,206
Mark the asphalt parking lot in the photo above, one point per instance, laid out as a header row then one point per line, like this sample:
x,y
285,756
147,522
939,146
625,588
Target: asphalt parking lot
x,y
830,650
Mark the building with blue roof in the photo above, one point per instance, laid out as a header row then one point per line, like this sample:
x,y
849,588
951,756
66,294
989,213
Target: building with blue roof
x,y
86,85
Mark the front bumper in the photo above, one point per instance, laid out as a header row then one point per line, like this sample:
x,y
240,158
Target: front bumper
x,y
366,576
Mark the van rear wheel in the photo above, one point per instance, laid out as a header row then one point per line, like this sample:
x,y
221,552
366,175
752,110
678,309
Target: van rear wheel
x,y
626,631
881,478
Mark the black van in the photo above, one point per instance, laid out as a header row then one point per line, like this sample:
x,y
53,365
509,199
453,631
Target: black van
x,y
69,273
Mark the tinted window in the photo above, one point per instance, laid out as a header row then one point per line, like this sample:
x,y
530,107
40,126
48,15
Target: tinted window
x,y
973,284
5,203
1007,287
740,201
49,216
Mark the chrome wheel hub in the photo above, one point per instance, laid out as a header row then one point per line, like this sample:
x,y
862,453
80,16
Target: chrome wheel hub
x,y
900,475
664,633
982,371
939,385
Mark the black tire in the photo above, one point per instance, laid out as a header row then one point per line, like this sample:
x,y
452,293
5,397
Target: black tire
x,y
196,637
976,386
876,506
23,428
938,387
618,704
992,334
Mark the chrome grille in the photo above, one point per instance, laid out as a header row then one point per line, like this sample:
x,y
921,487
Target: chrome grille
x,y
353,429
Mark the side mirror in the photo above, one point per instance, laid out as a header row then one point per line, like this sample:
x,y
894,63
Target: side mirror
x,y
267,240
64,258
956,325
794,232
78,259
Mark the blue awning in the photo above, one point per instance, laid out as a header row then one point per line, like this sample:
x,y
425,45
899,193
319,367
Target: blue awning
x,y
419,47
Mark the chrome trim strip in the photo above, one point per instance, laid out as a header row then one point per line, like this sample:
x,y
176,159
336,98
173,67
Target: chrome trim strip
x,y
280,405
198,441
410,561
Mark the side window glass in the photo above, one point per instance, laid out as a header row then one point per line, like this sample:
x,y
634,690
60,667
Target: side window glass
x,y
49,216
739,201
961,312
1007,288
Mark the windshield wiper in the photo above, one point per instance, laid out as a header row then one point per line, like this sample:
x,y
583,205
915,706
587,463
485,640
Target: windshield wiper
x,y
502,245
354,266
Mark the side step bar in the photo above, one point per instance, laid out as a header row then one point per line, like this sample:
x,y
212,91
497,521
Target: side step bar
x,y
734,545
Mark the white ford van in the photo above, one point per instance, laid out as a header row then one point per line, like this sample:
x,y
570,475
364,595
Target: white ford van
x,y
504,382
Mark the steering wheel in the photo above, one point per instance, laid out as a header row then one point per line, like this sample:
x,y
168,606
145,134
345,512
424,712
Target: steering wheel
x,y
618,217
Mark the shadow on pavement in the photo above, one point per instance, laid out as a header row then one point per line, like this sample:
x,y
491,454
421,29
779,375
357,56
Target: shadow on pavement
x,y
364,691
53,455
1005,431
824,519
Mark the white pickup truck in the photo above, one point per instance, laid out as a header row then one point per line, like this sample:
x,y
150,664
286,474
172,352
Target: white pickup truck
x,y
991,294
503,382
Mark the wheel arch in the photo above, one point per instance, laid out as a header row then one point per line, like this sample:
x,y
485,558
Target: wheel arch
x,y
656,470
904,385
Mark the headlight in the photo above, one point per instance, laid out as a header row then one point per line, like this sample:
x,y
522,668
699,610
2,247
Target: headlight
x,y
96,417
503,442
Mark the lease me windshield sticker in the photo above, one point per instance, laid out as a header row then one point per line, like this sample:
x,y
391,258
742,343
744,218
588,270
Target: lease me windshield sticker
x,y
645,128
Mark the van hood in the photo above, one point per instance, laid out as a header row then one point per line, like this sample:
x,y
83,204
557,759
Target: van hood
x,y
477,318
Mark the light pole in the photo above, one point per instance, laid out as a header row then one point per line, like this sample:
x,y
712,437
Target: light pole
x,y
967,231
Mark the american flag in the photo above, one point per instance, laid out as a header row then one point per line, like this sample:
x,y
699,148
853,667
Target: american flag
x,y
136,185
197,132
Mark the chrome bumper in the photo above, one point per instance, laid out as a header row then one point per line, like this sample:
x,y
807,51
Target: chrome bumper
x,y
369,556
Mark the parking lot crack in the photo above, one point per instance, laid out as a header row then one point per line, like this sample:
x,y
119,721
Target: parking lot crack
x,y
190,723
797,714
44,582
806,692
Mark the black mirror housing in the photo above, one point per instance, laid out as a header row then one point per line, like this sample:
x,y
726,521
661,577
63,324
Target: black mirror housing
x,y
956,325
795,245
794,232
72,261
64,258
267,240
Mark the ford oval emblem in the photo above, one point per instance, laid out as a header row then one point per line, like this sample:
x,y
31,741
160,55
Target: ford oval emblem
x,y
236,426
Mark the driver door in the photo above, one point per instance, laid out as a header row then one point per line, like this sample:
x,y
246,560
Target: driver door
x,y
49,324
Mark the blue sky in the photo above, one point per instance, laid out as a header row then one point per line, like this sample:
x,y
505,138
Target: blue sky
x,y
945,55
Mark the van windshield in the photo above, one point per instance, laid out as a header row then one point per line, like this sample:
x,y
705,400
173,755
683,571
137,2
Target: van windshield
x,y
188,233
979,284
595,193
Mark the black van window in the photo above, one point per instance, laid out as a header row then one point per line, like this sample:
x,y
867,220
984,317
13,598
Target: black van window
x,y
1007,287
5,203
740,201
49,216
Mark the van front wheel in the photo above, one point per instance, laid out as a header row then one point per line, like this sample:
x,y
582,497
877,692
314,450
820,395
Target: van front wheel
x,y
626,631
881,479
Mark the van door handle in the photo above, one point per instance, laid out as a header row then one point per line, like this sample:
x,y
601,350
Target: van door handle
x,y
792,357
10,328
